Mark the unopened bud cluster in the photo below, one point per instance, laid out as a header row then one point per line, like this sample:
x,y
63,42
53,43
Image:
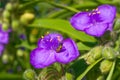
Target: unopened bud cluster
x,y
7,16
107,53
12,19
98,52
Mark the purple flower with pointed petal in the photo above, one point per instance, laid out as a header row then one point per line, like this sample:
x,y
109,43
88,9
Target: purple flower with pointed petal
x,y
52,48
95,22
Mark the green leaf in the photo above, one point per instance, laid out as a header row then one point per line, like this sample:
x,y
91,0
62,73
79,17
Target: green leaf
x,y
82,46
64,7
84,5
8,76
63,26
88,69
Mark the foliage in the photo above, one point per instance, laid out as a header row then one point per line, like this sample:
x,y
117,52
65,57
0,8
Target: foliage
x,y
28,20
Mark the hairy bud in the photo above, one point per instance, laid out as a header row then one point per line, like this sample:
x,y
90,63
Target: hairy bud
x,y
29,74
27,18
105,66
93,55
108,53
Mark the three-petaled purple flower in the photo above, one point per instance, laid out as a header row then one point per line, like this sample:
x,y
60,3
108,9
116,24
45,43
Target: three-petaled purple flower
x,y
4,39
95,22
52,48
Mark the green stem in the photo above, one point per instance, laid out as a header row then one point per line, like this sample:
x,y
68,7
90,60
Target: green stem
x,y
89,68
64,7
107,2
29,3
82,57
111,71
80,6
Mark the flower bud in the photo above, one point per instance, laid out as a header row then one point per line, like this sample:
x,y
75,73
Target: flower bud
x,y
97,52
6,14
117,24
108,53
5,26
93,54
15,24
89,59
29,74
5,58
101,77
20,52
6,20
27,18
8,7
105,66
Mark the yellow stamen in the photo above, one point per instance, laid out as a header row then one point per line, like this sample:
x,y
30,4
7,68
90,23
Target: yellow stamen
x,y
98,12
42,37
58,37
59,48
93,13
96,9
47,33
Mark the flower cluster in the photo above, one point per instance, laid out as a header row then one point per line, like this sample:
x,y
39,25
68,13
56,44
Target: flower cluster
x,y
4,39
95,22
52,48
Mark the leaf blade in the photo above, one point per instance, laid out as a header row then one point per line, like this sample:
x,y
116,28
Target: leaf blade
x,y
63,26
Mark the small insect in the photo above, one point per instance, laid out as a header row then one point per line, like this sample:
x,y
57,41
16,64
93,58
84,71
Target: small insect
x,y
59,48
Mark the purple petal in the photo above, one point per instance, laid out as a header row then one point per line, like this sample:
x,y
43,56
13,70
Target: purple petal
x,y
110,26
107,13
68,55
97,29
80,21
41,58
4,37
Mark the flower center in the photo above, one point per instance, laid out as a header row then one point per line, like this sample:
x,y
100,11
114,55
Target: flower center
x,y
51,42
94,14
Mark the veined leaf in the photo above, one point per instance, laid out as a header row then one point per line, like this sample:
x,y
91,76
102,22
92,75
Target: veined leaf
x,y
81,46
63,26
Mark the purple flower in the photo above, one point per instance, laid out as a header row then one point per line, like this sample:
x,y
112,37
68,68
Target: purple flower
x,y
4,39
4,36
95,22
52,48
22,36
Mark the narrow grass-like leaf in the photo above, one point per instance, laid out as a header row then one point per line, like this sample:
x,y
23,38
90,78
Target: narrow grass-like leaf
x,y
63,26
88,69
82,46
